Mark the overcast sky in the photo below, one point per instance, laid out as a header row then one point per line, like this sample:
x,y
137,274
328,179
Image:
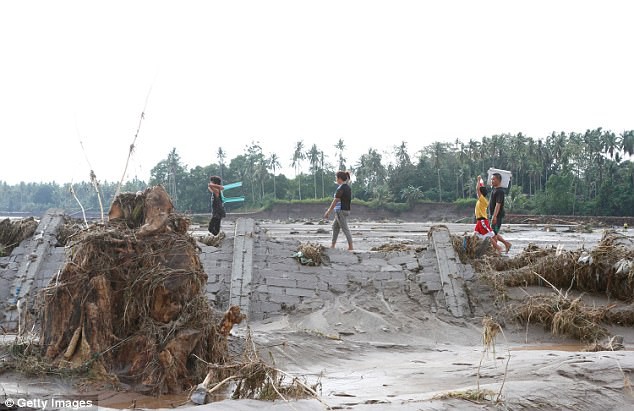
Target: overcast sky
x,y
224,74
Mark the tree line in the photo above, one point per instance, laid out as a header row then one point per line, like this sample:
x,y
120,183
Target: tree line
x,y
587,173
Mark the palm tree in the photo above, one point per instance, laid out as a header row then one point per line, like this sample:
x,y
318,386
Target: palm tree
x,y
370,172
253,157
221,160
322,164
627,142
610,143
340,146
298,156
411,194
260,174
273,163
438,152
313,159
381,193
402,158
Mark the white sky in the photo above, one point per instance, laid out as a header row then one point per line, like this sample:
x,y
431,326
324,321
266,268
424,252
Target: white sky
x,y
226,73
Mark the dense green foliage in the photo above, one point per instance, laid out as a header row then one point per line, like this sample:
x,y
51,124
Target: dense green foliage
x,y
564,173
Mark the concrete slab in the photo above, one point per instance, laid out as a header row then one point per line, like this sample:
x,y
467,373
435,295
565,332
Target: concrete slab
x,y
450,274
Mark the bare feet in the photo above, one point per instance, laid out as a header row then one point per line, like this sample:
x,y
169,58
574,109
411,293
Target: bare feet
x,y
508,247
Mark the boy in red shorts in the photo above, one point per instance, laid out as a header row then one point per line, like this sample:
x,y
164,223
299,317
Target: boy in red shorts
x,y
482,227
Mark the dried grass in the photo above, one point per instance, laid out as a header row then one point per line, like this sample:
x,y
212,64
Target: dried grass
x,y
396,247
490,330
606,269
478,396
470,248
253,378
562,316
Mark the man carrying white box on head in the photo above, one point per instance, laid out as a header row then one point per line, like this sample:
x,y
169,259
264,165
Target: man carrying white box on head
x,y
496,208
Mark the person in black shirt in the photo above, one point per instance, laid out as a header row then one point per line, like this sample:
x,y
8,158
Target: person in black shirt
x,y
341,205
496,209
217,207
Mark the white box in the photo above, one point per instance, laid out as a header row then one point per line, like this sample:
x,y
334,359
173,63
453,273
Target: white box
x,y
506,176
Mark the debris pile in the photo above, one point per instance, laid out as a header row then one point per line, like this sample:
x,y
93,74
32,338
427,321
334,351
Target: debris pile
x,y
68,231
606,269
129,303
252,378
470,247
563,316
311,254
13,232
397,246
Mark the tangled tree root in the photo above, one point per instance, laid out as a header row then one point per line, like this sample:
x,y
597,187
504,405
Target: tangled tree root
x,y
13,232
252,378
130,300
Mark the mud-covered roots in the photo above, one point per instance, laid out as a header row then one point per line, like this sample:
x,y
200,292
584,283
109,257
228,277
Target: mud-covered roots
x,y
68,231
130,300
13,232
250,377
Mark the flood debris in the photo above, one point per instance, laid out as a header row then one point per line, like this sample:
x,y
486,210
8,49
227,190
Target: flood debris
x,y
470,248
213,240
397,246
12,233
606,269
129,303
311,254
68,230
250,377
567,275
563,316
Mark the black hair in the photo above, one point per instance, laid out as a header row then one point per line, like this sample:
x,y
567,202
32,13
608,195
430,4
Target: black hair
x,y
498,176
484,191
215,180
344,175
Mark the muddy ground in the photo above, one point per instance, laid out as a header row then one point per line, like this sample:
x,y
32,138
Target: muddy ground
x,y
374,350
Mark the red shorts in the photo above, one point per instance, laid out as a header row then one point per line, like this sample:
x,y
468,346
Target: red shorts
x,y
483,229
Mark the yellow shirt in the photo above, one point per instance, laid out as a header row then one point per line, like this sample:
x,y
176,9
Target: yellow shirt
x,y
481,207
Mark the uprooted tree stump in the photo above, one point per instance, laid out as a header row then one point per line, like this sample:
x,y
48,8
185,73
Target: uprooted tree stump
x,y
129,302
13,232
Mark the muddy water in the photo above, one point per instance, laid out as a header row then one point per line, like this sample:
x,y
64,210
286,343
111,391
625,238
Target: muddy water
x,y
131,400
